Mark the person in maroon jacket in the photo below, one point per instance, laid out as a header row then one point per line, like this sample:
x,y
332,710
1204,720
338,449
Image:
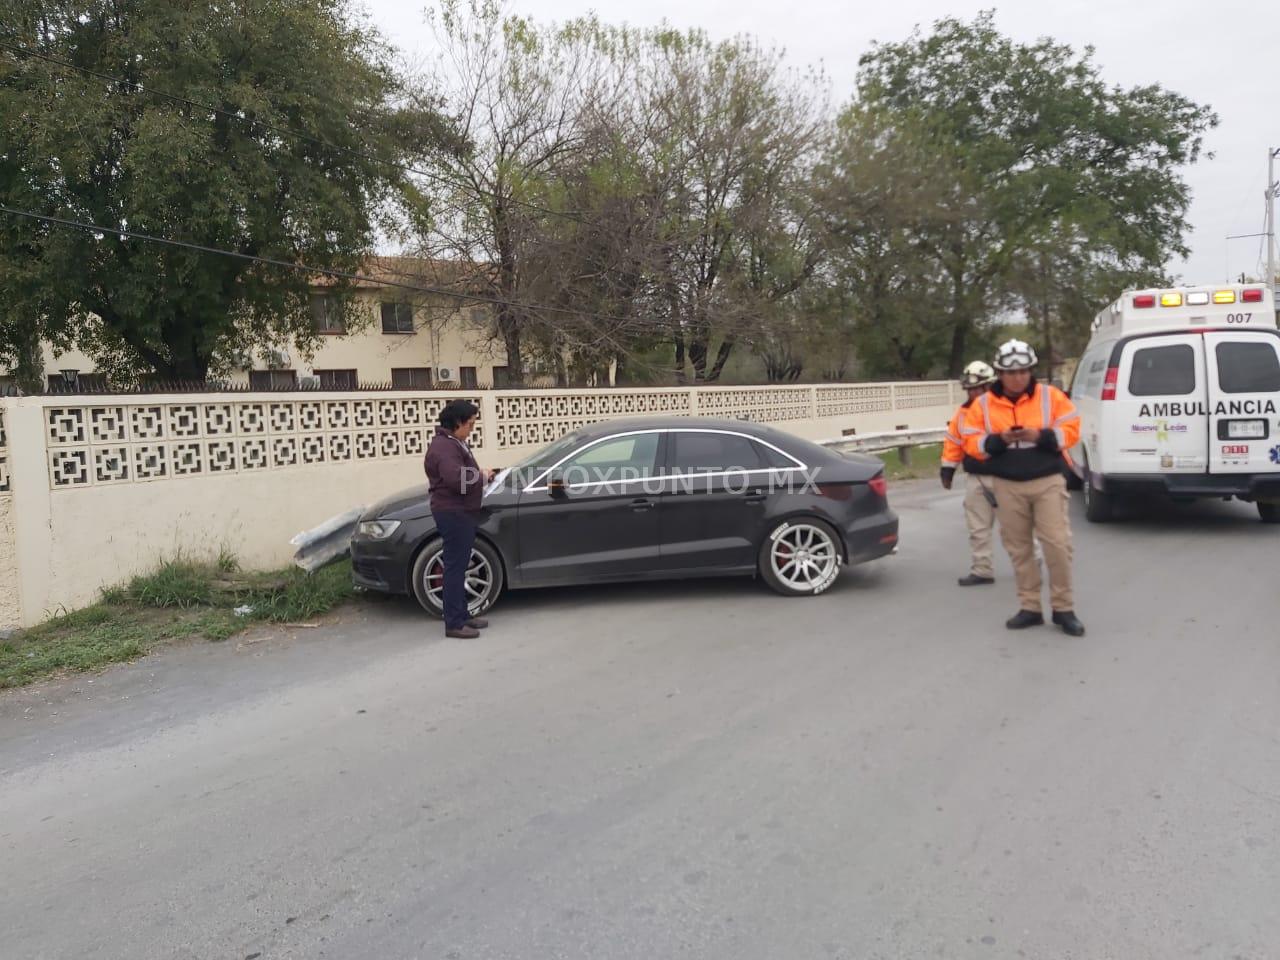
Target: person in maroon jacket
x,y
456,485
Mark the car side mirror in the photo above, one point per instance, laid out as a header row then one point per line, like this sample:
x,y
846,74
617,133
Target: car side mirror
x,y
556,486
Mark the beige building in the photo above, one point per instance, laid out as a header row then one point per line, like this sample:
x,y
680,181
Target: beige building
x,y
385,334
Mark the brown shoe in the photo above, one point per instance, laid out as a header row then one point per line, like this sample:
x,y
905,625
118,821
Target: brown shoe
x,y
478,623
463,633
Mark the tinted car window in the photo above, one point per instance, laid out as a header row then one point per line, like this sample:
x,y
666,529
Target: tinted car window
x,y
1163,371
706,452
619,458
771,457
1248,368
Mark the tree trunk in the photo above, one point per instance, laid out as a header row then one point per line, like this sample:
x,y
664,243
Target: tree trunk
x,y
722,357
509,327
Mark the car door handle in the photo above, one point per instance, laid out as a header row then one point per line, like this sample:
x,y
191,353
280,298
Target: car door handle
x,y
756,497
641,504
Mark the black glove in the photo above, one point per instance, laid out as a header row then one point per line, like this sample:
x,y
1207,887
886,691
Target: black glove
x,y
948,476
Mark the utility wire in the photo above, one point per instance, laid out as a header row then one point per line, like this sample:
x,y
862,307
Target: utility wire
x,y
322,271
273,128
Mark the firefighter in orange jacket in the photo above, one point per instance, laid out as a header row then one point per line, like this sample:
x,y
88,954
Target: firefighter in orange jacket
x,y
979,501
1022,431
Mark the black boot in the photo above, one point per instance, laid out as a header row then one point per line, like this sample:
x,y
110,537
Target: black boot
x,y
1025,618
973,580
1069,622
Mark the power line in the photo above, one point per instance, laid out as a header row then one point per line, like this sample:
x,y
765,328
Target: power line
x,y
305,268
273,128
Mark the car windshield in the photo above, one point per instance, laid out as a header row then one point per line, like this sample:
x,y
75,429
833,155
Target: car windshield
x,y
541,459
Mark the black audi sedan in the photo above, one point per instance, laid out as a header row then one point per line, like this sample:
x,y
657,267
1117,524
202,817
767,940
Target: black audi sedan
x,y
646,499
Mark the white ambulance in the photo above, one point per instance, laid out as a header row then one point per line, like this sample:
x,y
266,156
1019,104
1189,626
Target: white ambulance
x,y
1179,396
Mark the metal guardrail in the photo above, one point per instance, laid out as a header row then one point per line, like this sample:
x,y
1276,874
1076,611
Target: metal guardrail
x,y
880,442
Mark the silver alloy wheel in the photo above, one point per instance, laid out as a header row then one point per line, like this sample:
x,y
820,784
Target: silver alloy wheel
x,y
479,580
803,557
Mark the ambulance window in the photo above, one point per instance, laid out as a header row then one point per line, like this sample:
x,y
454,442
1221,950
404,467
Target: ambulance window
x,y
1094,374
1163,371
1248,367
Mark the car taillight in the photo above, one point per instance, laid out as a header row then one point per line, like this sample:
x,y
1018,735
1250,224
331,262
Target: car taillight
x,y
835,491
1251,296
1144,300
1109,384
879,485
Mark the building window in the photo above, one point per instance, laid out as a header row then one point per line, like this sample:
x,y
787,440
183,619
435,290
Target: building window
x,y
480,316
467,376
411,378
327,315
337,379
501,377
397,318
273,379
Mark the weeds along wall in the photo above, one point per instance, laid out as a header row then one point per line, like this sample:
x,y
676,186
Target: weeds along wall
x,y
96,489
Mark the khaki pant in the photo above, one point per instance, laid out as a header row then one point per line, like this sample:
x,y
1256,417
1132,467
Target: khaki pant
x,y
981,519
1031,510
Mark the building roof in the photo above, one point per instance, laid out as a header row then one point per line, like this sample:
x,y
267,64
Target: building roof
x,y
425,271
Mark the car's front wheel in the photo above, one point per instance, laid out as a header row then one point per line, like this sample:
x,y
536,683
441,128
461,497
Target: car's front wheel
x,y
800,557
484,578
1269,512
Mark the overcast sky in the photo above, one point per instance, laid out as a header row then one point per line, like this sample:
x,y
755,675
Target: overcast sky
x,y
1223,53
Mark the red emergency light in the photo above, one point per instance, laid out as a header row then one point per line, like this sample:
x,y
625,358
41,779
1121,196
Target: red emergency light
x,y
1144,300
1251,296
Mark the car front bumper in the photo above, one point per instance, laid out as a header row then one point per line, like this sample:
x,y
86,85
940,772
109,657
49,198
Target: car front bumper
x,y
377,566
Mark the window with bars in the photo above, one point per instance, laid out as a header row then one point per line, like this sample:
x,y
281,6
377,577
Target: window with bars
x,y
326,314
337,379
467,378
397,318
411,378
273,379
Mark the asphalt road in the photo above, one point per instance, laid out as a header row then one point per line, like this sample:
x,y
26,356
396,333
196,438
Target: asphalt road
x,y
701,770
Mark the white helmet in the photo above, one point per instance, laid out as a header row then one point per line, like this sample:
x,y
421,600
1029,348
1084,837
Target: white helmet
x,y
1015,355
977,374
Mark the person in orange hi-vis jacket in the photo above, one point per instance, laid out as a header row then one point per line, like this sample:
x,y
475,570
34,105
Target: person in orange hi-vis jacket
x,y
1021,430
979,500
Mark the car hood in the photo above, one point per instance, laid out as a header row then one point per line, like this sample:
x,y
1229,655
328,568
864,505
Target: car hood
x,y
406,505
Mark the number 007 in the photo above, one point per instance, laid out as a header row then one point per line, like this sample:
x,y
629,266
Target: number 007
x,y
1239,318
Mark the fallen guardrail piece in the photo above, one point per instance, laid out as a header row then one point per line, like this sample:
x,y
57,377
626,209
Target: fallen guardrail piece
x,y
327,543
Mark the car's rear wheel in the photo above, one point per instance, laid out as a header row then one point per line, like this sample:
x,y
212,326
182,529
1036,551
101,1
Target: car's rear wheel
x,y
800,557
1269,512
484,578
1098,506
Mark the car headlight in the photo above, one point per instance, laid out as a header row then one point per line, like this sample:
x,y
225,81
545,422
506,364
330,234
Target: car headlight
x,y
378,529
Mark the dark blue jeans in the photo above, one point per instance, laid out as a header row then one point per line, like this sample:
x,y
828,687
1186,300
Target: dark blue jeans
x,y
458,531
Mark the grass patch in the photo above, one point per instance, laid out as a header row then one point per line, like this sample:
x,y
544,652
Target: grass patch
x,y
924,463
181,600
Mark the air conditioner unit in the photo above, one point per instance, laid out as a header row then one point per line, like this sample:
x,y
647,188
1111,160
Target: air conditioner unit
x,y
446,375
309,383
277,359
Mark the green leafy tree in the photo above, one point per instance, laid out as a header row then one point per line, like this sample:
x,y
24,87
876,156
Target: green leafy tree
x,y
1016,151
251,176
